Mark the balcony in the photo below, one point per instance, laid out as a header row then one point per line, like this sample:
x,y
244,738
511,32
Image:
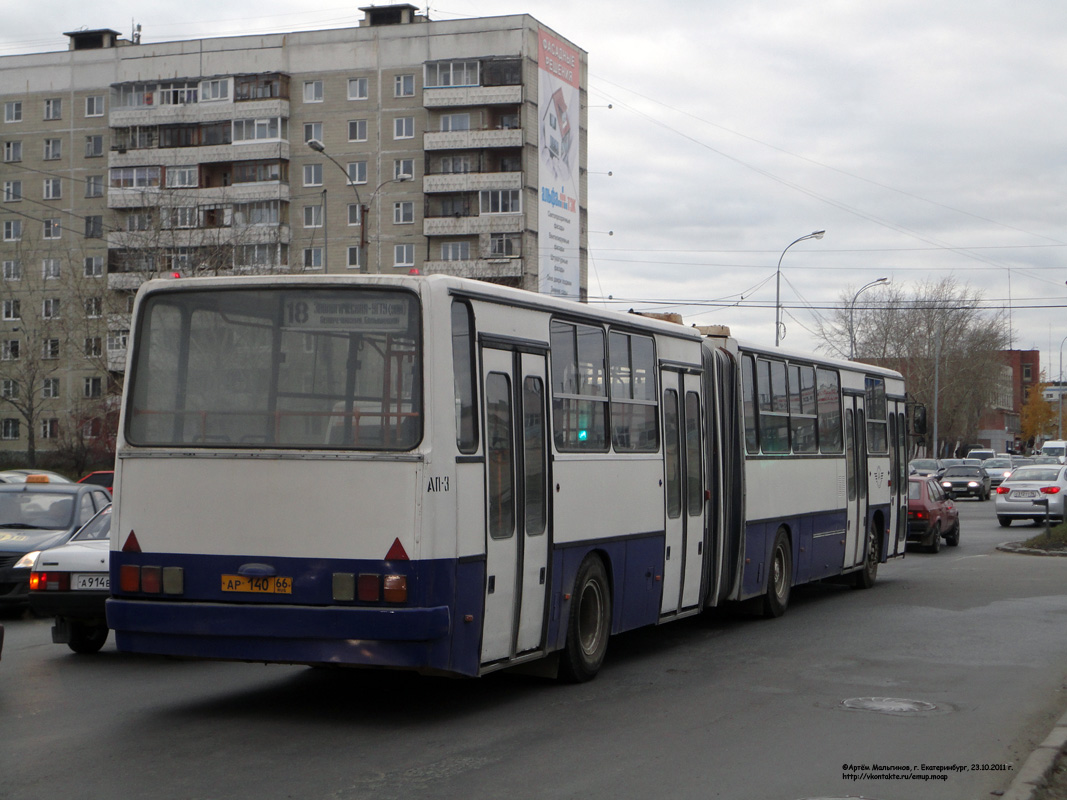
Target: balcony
x,y
469,226
223,236
471,181
482,268
255,150
473,140
237,193
124,116
459,96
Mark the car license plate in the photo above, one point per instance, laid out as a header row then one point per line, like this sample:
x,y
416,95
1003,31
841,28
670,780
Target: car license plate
x,y
90,582
1024,493
257,585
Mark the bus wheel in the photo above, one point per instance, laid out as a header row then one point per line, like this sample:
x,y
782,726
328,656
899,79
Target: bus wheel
x,y
87,639
588,623
865,578
780,581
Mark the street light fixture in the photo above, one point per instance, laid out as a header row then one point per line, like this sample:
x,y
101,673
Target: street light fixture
x,y
778,285
852,312
319,147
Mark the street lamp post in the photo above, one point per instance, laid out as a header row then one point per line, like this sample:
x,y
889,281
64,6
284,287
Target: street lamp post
x,y
852,313
319,147
1059,419
778,285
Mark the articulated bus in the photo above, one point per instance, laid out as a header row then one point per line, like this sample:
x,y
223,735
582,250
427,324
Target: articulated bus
x,y
453,477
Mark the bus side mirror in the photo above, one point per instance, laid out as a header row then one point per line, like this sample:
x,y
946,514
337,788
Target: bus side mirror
x,y
918,420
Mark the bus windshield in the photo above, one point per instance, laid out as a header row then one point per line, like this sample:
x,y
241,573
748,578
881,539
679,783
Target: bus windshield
x,y
284,366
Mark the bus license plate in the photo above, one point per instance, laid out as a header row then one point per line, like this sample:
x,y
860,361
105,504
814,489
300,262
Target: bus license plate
x,y
257,585
91,582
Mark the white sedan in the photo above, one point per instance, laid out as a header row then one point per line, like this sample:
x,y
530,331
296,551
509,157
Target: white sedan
x,y
71,583
1027,492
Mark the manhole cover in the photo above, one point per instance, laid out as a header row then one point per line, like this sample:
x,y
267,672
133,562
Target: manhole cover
x,y
889,705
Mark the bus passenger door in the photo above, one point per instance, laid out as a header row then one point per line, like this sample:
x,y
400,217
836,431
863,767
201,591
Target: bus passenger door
x,y
855,480
684,492
516,463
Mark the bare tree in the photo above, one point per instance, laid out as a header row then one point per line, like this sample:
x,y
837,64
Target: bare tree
x,y
940,338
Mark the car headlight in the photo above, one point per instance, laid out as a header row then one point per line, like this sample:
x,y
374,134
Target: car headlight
x,y
26,562
972,484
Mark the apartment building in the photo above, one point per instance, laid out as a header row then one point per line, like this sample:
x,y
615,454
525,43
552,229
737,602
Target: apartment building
x,y
403,144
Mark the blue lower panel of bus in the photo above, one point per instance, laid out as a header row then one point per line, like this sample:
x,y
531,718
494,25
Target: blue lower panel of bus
x,y
438,630
818,548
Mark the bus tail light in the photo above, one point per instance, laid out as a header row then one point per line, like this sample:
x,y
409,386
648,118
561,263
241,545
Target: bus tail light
x,y
396,588
152,579
367,588
130,578
49,581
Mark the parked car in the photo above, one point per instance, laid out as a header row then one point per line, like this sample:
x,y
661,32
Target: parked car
x,y
104,477
998,469
966,480
981,454
34,516
931,515
71,583
924,466
1025,493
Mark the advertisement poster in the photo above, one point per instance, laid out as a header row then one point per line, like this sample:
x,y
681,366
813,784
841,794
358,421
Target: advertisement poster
x,y
558,131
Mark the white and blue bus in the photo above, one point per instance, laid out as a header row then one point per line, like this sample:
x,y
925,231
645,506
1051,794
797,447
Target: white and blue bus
x,y
453,477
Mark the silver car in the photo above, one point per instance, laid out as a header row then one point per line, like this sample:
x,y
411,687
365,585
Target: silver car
x,y
1027,491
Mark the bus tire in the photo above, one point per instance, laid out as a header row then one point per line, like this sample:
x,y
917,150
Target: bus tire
x,y
868,574
780,577
588,623
87,639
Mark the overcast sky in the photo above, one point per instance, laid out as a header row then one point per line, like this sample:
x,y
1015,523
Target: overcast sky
x,y
927,139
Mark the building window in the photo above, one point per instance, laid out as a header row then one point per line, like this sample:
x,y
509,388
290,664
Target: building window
x,y
357,172
50,428
52,228
93,347
139,221
92,387
456,122
404,86
312,91
117,340
94,227
403,213
53,189
94,146
260,87
214,89
53,108
13,111
9,388
357,130
183,177
53,149
178,94
455,251
50,388
504,245
313,174
1028,374
403,168
9,350
313,258
312,130
12,270
94,307
10,429
12,230
94,186
247,130
357,88
12,151
50,349
94,266
499,201
50,268
135,177
94,106
404,128
12,191
11,310
354,214
313,216
404,255
354,257
50,308
264,212
451,73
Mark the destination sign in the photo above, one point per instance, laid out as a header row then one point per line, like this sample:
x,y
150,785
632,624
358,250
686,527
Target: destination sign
x,y
366,314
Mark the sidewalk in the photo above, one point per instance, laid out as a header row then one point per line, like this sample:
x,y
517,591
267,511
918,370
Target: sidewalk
x,y
1044,775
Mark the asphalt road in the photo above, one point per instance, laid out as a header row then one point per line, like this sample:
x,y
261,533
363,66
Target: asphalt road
x,y
973,639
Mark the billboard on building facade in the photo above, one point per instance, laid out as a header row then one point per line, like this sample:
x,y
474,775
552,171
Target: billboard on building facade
x,y
558,131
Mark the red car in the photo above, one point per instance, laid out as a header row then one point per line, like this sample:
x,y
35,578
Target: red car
x,y
105,478
931,515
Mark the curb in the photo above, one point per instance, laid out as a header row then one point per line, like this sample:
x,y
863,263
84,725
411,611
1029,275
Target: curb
x,y
1017,547
1033,774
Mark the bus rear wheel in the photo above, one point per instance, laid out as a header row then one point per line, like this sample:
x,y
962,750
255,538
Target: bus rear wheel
x,y
780,580
865,578
588,623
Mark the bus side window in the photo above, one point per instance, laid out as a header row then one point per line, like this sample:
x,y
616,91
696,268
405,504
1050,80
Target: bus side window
x,y
463,377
